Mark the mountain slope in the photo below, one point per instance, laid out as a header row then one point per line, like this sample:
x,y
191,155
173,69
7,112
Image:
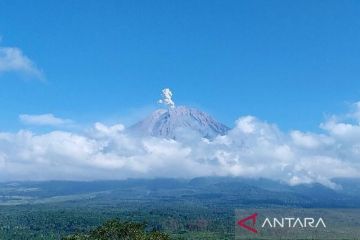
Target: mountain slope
x,y
168,123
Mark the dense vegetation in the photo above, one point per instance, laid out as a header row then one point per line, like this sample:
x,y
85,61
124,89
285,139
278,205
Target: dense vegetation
x,y
117,230
198,209
53,221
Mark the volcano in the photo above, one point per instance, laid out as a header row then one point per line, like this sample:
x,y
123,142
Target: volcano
x,y
167,123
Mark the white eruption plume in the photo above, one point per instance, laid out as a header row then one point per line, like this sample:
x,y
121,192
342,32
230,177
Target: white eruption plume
x,y
167,98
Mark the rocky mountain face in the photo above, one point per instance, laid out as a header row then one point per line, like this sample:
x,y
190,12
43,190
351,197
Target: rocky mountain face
x,y
168,123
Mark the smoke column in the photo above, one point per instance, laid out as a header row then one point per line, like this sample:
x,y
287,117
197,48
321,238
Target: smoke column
x,y
167,98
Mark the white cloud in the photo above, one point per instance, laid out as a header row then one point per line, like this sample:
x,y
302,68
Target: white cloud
x,y
108,130
310,140
13,60
43,119
253,148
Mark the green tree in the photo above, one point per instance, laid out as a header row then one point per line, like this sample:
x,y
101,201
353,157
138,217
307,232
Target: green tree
x,y
117,230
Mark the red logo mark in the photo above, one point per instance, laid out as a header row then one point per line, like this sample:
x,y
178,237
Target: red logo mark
x,y
243,221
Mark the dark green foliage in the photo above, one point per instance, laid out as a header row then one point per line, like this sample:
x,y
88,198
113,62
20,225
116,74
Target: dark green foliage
x,y
117,230
180,219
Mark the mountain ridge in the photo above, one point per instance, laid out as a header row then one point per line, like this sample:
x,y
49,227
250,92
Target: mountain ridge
x,y
169,123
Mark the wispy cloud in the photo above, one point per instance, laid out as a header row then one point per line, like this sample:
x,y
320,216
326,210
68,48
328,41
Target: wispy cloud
x,y
12,59
43,119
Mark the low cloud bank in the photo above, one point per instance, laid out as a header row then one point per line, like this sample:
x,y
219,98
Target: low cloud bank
x,y
253,148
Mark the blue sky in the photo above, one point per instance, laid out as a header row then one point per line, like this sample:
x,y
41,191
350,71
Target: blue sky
x,y
286,62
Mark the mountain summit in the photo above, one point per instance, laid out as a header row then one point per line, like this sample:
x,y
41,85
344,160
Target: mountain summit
x,y
168,123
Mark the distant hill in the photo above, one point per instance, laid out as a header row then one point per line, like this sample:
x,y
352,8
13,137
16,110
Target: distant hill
x,y
214,190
